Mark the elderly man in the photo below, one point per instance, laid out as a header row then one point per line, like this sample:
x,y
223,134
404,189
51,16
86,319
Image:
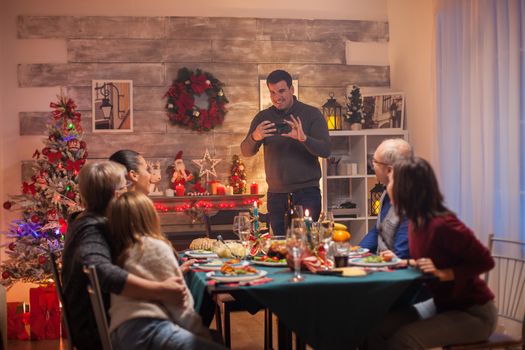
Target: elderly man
x,y
390,231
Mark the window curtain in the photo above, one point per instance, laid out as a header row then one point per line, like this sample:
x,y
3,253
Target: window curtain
x,y
481,121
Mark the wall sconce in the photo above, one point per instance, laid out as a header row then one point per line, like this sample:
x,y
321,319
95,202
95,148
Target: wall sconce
x,y
332,113
106,91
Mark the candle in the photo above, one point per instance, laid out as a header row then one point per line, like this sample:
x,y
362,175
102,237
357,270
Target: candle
x,y
220,190
213,187
254,188
179,190
330,120
256,217
308,223
228,190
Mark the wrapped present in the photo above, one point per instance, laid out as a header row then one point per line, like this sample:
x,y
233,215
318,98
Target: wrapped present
x,y
17,319
44,316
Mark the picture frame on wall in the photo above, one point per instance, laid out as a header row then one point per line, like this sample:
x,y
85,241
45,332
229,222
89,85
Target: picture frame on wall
x,y
112,109
264,94
384,110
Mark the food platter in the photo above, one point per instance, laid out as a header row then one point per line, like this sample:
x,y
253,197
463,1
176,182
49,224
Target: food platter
x,y
269,263
220,277
364,263
200,254
216,264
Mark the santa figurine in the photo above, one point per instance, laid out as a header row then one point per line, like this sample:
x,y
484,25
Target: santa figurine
x,y
180,173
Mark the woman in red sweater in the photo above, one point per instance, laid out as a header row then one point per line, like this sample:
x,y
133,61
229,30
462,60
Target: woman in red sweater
x,y
440,244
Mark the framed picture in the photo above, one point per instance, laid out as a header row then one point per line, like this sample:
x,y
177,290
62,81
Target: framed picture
x,y
112,105
383,111
264,94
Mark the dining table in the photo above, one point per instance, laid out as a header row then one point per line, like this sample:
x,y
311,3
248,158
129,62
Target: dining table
x,y
324,311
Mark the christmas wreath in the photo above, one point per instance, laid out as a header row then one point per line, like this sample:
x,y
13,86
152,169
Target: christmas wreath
x,y
181,106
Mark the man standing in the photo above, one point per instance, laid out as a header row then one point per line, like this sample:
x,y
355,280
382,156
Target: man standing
x,y
390,231
294,135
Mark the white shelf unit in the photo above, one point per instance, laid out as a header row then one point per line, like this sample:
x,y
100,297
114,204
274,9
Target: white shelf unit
x,y
354,147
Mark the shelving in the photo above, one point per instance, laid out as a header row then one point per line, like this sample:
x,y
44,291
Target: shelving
x,y
352,183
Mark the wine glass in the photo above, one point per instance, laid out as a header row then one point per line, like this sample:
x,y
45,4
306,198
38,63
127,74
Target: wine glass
x,y
242,228
296,245
326,220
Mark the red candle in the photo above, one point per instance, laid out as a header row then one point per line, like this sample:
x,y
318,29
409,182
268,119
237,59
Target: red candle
x,y
179,190
221,190
254,188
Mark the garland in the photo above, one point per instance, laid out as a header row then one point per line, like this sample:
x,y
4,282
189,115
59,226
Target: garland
x,y
181,106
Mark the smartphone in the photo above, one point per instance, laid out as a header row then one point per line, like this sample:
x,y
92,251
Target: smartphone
x,y
282,128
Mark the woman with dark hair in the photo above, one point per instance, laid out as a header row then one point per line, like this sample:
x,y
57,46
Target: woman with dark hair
x,y
138,171
442,245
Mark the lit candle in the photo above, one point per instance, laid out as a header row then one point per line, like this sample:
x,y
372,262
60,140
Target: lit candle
x,y
229,190
308,223
256,217
213,187
254,188
220,190
330,120
179,190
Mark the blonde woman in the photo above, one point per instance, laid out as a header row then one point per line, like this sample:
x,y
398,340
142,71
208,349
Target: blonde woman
x,y
87,243
141,248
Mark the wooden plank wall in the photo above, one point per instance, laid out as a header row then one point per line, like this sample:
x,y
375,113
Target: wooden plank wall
x,y
150,50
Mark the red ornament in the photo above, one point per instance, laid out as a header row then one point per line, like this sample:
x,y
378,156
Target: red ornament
x,y
6,275
7,205
82,144
12,246
42,260
35,219
71,195
45,151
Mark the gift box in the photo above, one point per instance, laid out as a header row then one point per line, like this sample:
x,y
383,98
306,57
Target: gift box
x,y
17,320
44,315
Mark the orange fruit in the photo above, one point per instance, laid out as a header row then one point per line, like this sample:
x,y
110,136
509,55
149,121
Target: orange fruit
x,y
340,236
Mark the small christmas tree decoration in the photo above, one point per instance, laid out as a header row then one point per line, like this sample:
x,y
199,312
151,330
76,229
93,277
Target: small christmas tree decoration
x,y
47,199
354,115
237,178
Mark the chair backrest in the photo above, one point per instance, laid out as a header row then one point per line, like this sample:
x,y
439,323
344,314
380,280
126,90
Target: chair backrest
x,y
95,295
58,285
507,279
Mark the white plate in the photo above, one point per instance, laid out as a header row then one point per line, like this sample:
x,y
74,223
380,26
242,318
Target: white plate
x,y
268,263
217,276
199,254
359,251
216,267
360,262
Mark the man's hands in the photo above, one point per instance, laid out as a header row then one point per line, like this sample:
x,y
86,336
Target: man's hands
x,y
267,128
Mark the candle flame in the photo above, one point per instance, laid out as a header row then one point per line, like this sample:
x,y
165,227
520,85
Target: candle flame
x,y
306,212
255,204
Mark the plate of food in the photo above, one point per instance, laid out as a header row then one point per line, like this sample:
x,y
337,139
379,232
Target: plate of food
x,y
357,250
216,264
228,273
200,253
265,260
374,261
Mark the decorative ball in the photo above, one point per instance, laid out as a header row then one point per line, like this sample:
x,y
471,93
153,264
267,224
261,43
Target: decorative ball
x,y
12,246
35,219
7,205
52,138
6,275
82,144
45,151
42,260
71,195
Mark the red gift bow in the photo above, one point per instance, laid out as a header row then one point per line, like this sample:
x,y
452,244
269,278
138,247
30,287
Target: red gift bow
x,y
54,156
70,165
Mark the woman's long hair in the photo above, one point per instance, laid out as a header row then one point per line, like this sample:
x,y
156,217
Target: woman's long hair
x,y
131,217
416,192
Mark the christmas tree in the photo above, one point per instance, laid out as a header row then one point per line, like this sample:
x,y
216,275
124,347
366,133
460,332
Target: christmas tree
x,y
47,199
238,175
355,107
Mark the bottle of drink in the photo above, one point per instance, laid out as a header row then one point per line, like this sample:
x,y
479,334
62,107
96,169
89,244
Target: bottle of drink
x,y
289,213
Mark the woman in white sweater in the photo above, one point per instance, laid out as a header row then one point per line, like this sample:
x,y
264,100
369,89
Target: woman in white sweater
x,y
142,249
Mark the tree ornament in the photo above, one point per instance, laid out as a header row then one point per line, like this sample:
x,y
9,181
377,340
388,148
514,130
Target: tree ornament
x,y
12,246
207,165
35,218
196,100
7,205
6,275
42,260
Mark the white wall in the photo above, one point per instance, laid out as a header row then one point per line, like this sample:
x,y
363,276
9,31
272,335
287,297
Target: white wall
x,y
411,52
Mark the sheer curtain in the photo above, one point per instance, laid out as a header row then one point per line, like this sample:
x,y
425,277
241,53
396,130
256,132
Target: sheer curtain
x,y
481,116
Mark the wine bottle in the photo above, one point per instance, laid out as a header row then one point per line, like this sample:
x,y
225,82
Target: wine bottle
x,y
289,213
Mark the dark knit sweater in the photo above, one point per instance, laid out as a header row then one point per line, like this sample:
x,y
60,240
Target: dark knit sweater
x,y
452,245
291,165
86,244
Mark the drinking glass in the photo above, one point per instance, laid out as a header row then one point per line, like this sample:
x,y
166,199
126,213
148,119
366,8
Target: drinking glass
x,y
326,220
242,228
296,245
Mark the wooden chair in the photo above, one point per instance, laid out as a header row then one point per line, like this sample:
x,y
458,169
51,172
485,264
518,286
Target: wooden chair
x,y
60,292
507,281
97,303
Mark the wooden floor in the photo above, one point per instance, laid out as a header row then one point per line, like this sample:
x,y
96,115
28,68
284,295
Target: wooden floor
x,y
247,334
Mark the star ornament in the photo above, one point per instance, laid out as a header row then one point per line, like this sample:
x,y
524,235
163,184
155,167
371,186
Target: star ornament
x,y
207,165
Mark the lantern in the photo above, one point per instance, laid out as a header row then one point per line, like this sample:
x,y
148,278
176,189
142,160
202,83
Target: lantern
x,y
332,113
375,199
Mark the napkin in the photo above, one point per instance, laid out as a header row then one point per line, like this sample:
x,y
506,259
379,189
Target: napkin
x,y
238,284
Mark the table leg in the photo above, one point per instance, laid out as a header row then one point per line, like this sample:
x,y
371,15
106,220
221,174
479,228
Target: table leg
x,y
284,336
268,325
299,343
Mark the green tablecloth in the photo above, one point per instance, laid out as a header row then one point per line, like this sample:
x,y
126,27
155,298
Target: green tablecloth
x,y
327,312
